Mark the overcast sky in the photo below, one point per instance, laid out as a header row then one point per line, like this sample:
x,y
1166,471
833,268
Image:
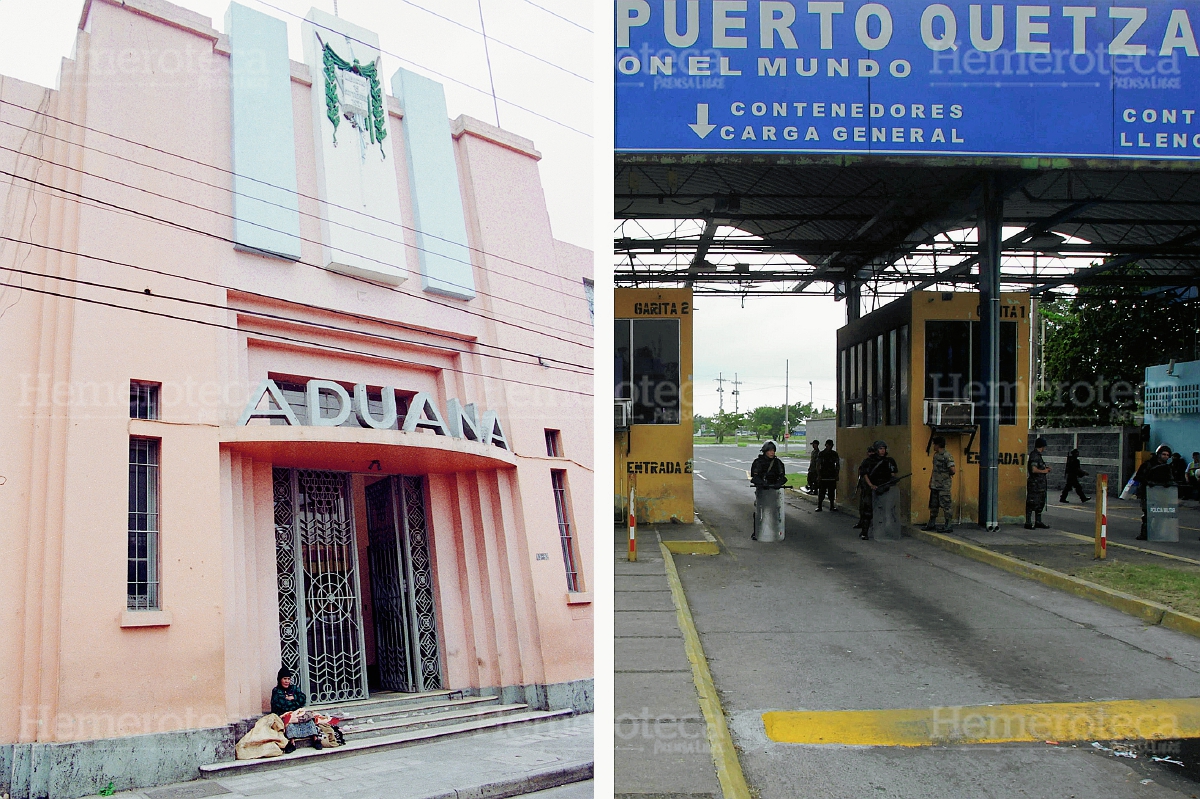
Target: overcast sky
x,y
754,342
38,33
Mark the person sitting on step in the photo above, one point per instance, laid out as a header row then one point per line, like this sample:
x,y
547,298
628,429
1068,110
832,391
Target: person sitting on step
x,y
286,698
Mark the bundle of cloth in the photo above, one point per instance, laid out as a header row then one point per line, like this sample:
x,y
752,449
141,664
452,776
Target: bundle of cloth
x,y
323,730
266,739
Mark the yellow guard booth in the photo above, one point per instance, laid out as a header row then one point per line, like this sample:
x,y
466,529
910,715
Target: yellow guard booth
x,y
653,403
909,371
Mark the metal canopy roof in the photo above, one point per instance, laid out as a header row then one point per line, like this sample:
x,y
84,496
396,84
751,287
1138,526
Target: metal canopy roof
x,y
882,222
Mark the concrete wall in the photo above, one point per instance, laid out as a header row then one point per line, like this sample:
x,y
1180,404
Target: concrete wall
x,y
820,430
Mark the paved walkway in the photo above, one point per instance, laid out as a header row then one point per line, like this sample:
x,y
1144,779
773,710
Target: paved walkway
x,y
457,768
661,746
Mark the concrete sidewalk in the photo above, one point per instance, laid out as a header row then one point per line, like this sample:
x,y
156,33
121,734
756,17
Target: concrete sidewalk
x,y
512,761
661,746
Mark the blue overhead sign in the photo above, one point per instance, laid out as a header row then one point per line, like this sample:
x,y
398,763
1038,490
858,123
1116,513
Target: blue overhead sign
x,y
908,77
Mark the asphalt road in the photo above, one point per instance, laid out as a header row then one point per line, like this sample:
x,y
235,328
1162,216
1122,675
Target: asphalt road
x,y
824,621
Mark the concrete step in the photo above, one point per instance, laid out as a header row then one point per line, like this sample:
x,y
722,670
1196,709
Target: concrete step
x,y
306,755
415,709
384,700
400,710
386,725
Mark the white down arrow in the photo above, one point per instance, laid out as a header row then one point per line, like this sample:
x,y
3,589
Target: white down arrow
x,y
702,127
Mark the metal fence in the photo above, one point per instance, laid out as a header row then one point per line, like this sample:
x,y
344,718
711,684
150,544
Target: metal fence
x,y
1108,450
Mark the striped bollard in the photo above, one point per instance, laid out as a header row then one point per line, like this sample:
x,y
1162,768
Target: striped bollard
x,y
1101,516
632,523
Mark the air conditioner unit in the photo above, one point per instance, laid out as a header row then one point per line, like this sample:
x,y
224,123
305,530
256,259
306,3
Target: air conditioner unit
x,y
949,413
622,413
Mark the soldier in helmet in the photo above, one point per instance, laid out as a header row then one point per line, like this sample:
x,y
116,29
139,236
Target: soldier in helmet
x,y
864,494
883,468
1035,486
1154,472
767,474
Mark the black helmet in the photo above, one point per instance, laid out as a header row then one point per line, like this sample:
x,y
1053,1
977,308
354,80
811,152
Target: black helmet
x,y
1039,442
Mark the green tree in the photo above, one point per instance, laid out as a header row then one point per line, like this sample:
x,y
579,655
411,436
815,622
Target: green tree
x,y
726,423
699,423
1098,345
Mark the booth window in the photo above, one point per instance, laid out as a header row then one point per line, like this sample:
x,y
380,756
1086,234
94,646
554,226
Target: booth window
x,y
873,380
953,364
143,585
646,368
558,481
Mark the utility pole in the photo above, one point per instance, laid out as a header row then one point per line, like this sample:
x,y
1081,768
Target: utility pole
x,y
721,392
735,393
787,428
810,396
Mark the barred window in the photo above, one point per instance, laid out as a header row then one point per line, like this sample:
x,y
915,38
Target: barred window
x,y
558,480
143,586
553,444
143,400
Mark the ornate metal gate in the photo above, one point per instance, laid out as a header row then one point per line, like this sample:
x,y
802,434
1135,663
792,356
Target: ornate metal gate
x,y
320,606
406,643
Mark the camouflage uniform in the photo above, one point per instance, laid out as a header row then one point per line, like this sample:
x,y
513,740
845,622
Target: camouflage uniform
x,y
939,487
1035,488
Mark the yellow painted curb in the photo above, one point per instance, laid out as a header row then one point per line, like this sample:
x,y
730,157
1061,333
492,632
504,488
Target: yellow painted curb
x,y
729,770
693,547
1182,622
1153,719
1144,609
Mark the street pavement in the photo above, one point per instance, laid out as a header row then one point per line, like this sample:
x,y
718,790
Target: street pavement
x,y
824,621
510,755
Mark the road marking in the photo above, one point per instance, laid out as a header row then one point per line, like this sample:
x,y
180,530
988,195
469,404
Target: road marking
x,y
1147,719
726,465
729,770
702,477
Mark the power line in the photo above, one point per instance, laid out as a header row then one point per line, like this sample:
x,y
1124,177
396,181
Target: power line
x,y
494,39
309,241
293,340
560,16
427,69
222,170
79,197
399,242
538,359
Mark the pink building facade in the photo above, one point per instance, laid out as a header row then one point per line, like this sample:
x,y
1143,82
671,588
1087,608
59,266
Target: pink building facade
x,y
295,373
